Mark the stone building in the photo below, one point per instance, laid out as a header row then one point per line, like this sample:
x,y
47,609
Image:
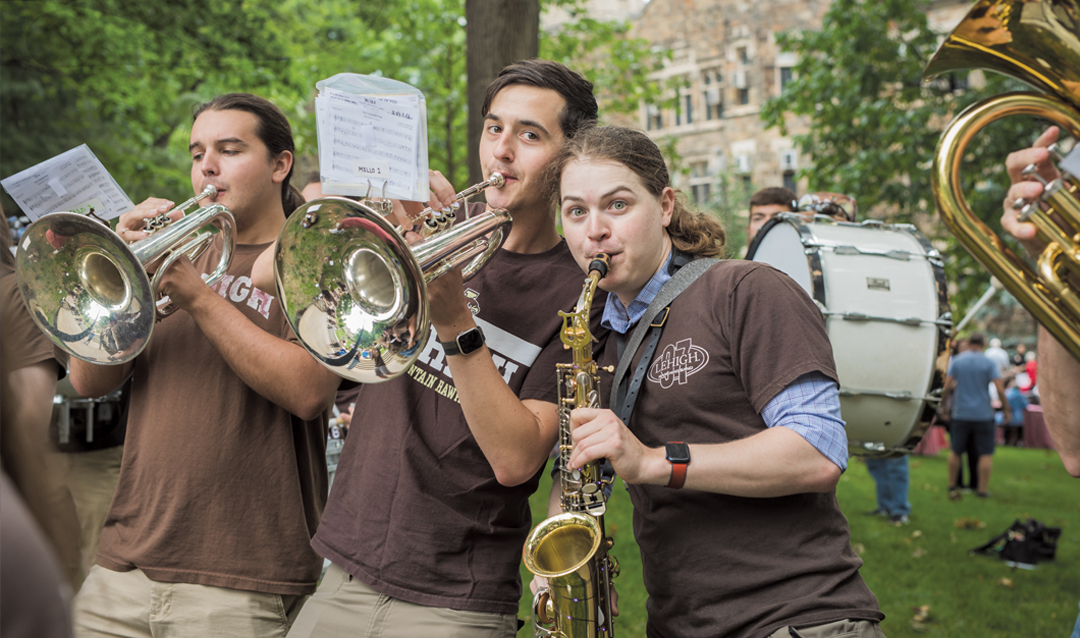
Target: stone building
x,y
725,64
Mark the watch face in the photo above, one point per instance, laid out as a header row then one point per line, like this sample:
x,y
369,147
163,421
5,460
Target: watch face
x,y
678,453
470,340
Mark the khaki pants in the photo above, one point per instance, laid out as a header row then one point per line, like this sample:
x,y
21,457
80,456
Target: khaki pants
x,y
91,479
343,606
131,605
838,629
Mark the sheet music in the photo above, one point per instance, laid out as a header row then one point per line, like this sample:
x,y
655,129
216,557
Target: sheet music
x,y
73,181
372,143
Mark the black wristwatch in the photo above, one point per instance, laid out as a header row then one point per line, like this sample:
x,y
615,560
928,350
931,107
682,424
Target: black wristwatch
x,y
678,454
467,342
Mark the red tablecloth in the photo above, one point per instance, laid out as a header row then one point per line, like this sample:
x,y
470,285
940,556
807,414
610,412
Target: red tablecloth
x,y
1035,434
932,442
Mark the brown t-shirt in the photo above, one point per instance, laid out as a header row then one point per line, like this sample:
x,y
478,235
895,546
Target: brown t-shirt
x,y
718,565
22,342
218,486
416,511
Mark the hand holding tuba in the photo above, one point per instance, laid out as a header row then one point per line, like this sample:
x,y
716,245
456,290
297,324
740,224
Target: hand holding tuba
x,y
1025,34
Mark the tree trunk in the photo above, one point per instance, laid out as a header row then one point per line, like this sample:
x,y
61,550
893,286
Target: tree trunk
x,y
497,33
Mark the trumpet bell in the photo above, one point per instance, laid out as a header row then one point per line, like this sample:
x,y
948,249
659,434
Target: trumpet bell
x,y
355,293
351,289
85,288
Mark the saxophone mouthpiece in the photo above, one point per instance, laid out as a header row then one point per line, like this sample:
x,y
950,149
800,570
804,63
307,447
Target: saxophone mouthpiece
x,y
600,264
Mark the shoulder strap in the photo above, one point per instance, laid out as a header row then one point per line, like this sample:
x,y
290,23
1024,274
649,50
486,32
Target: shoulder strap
x,y
622,399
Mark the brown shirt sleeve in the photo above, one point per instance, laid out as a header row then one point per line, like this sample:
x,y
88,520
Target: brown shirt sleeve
x,y
23,343
777,334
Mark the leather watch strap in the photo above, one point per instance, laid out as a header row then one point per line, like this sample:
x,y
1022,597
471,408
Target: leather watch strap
x,y
678,475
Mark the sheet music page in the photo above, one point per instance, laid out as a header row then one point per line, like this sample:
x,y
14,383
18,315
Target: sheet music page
x,y
372,143
73,181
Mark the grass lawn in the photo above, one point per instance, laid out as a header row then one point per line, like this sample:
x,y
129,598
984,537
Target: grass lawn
x,y
925,563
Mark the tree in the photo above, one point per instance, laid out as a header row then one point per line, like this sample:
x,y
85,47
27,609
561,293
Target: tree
x,y
874,123
498,33
124,77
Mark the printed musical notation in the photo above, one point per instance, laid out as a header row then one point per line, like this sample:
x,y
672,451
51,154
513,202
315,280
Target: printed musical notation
x,y
68,182
372,143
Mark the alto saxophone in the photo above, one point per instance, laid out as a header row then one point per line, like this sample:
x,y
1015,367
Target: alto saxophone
x,y
570,549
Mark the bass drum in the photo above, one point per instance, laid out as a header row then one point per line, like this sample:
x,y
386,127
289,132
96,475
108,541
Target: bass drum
x,y
882,291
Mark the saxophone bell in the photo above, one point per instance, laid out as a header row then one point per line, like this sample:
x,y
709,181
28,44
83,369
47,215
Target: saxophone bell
x,y
570,549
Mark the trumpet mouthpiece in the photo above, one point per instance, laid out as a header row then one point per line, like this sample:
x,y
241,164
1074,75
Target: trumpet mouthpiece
x,y
497,180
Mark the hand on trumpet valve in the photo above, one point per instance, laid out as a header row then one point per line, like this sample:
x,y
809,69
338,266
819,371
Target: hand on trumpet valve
x,y
442,204
132,224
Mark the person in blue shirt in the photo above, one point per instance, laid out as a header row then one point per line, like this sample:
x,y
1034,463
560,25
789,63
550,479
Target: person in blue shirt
x,y
1018,403
970,375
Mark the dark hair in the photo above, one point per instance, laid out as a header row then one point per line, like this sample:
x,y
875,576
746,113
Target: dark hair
x,y
977,339
580,110
774,195
693,232
5,240
273,130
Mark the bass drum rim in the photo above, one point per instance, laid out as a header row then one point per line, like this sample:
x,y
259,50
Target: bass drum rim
x,y
815,283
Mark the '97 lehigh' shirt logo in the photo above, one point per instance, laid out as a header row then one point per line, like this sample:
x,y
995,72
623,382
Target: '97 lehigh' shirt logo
x,y
677,362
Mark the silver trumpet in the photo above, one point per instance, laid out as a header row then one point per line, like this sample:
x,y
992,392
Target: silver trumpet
x,y
355,292
89,291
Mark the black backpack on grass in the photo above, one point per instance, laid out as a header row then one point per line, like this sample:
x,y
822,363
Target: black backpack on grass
x,y
1025,543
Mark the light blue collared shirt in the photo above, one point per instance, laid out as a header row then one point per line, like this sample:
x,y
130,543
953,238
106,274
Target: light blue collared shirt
x,y
808,406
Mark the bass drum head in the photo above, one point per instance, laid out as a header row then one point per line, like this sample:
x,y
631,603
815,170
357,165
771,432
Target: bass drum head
x,y
880,292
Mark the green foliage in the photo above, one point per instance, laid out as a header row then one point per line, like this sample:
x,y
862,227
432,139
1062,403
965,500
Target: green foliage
x,y
124,77
925,562
616,64
874,124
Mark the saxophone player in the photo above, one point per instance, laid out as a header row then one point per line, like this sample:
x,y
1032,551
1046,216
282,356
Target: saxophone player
x,y
735,443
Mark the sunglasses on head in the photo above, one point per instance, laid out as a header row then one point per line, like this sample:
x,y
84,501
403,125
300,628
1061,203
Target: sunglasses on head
x,y
831,204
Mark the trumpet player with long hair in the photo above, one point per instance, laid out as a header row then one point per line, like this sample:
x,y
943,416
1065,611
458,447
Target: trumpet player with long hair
x,y
734,444
223,477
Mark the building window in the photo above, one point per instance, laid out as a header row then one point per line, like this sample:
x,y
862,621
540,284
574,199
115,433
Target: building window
x,y
789,181
689,109
653,119
745,183
742,55
713,95
744,96
700,182
785,76
714,104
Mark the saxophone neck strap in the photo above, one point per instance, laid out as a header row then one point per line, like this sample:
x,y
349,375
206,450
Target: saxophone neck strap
x,y
624,398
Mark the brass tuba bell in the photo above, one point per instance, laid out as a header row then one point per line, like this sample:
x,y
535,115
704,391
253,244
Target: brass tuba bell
x,y
1038,42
